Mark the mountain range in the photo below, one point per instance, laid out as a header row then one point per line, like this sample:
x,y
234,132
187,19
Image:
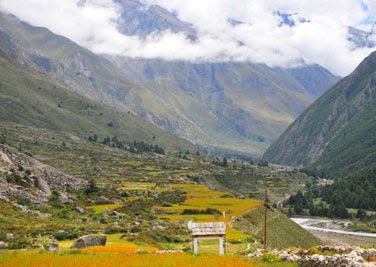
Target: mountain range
x,y
31,94
240,107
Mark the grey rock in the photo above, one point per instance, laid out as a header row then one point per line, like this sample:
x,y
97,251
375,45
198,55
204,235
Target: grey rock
x,y
106,213
9,236
159,228
79,209
169,251
42,185
118,201
63,198
103,199
52,247
114,214
44,178
3,245
90,241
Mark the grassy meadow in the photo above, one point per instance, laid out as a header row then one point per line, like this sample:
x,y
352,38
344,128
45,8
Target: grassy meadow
x,y
115,260
151,195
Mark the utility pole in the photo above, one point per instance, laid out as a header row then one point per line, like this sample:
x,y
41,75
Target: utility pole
x,y
265,216
224,218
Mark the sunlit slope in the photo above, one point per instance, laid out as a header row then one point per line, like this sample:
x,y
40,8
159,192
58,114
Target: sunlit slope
x,y
281,231
30,98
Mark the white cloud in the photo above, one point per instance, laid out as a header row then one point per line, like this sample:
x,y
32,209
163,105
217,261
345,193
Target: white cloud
x,y
260,39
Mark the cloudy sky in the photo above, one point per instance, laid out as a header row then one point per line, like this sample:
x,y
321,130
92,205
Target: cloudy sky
x,y
319,35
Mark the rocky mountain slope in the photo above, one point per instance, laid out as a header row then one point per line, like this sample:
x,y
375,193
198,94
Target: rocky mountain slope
x,y
336,134
235,106
140,19
65,62
362,38
22,177
238,106
29,97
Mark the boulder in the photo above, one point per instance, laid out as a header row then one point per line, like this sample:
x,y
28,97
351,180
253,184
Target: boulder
x,y
79,209
114,214
64,198
43,186
3,245
159,228
117,201
106,213
9,236
90,241
52,247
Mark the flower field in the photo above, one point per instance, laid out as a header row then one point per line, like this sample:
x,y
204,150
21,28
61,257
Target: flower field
x,y
200,197
116,244
117,260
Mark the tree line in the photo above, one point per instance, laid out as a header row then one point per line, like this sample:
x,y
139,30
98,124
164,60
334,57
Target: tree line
x,y
356,191
133,147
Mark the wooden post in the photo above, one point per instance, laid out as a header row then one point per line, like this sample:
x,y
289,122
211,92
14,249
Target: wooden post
x,y
265,218
195,245
224,219
221,248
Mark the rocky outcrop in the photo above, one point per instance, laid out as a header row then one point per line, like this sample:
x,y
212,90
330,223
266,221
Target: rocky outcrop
x,y
169,251
341,256
90,241
53,177
22,176
3,245
9,236
42,185
79,210
53,247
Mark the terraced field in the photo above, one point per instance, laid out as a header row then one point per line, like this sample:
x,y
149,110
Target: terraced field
x,y
200,197
154,196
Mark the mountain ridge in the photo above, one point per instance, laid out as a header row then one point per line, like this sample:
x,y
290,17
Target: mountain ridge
x,y
233,106
335,135
29,97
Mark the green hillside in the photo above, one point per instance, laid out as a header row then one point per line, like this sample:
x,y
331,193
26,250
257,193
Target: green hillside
x,y
28,97
282,232
337,134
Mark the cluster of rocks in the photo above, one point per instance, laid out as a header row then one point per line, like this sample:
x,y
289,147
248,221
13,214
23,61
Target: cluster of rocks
x,y
52,247
34,212
3,245
35,177
113,214
351,260
169,251
90,241
330,256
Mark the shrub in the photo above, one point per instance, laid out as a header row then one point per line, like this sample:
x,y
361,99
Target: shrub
x,y
270,258
67,235
196,211
19,243
64,214
23,201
